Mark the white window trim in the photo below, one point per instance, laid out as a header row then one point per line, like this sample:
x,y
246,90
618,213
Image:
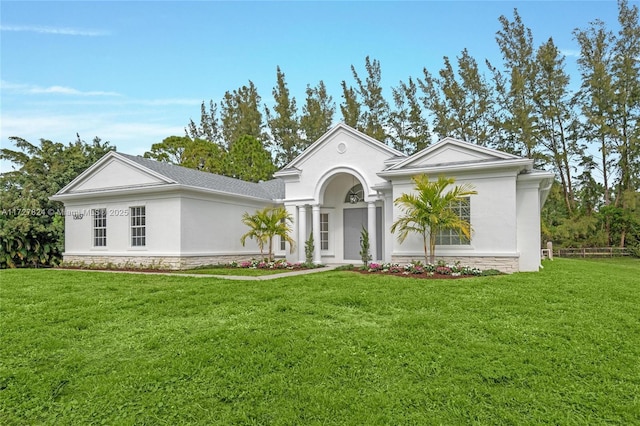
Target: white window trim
x,y
329,251
93,229
131,246
277,249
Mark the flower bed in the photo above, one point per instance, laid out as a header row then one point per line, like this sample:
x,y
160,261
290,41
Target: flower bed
x,y
420,270
277,264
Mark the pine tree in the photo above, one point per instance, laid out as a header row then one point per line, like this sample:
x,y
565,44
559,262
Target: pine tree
x,y
284,123
626,81
460,102
209,127
552,100
317,113
596,95
350,107
478,101
240,115
409,129
436,104
376,109
625,68
516,98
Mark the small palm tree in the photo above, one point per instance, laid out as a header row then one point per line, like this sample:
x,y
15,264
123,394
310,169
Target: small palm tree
x,y
428,211
266,224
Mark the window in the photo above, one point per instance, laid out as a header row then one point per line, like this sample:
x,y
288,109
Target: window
x,y
449,237
324,231
138,226
355,194
283,242
99,227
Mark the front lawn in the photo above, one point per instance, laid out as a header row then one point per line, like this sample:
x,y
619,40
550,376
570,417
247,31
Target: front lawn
x,y
557,347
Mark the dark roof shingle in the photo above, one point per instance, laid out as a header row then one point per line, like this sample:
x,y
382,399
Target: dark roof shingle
x,y
269,190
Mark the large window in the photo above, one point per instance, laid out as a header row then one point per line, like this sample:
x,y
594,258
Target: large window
x,y
450,237
99,227
324,231
138,226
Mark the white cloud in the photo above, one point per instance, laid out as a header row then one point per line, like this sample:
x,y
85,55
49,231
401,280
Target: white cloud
x,y
28,89
130,136
54,30
570,53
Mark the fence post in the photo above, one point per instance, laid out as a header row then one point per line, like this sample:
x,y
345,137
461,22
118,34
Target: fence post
x,y
550,249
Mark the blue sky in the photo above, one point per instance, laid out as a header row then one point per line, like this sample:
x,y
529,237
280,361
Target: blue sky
x,y
134,73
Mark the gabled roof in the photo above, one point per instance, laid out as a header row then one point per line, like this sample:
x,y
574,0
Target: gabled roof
x,y
450,153
292,168
171,175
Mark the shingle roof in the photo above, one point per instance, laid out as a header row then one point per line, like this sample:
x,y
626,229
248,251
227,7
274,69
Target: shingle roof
x,y
269,190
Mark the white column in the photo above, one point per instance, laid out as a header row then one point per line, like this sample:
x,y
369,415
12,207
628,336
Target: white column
x,y
387,218
302,232
293,211
315,212
371,227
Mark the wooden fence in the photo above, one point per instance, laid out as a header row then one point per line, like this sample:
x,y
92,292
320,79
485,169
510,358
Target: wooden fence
x,y
591,252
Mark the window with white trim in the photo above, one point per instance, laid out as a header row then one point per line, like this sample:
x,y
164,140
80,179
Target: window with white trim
x,y
324,231
449,237
99,227
138,226
283,242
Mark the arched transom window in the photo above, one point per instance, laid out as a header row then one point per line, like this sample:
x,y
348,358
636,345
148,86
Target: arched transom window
x,y
355,194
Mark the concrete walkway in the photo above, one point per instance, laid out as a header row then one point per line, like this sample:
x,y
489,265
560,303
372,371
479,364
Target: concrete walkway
x,y
222,277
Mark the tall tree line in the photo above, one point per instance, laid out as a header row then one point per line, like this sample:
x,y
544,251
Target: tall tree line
x,y
524,105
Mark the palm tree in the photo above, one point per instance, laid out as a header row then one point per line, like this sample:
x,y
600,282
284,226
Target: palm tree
x,y
266,224
428,211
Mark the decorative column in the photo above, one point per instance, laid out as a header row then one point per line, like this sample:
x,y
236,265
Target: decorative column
x,y
302,232
315,212
387,217
371,227
293,211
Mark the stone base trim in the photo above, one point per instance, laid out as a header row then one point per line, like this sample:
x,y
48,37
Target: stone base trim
x,y
151,262
502,264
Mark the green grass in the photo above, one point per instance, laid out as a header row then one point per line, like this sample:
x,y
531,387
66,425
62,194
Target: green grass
x,y
557,347
241,272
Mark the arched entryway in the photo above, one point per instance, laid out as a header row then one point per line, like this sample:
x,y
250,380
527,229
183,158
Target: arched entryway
x,y
348,206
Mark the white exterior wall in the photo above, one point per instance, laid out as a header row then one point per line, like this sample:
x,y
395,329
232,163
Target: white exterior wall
x,y
162,238
176,226
493,218
213,226
528,223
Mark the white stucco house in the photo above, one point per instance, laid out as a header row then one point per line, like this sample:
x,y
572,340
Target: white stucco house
x,y
129,209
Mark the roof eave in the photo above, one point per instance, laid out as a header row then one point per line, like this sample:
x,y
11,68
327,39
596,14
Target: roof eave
x,y
522,164
503,156
152,190
288,173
